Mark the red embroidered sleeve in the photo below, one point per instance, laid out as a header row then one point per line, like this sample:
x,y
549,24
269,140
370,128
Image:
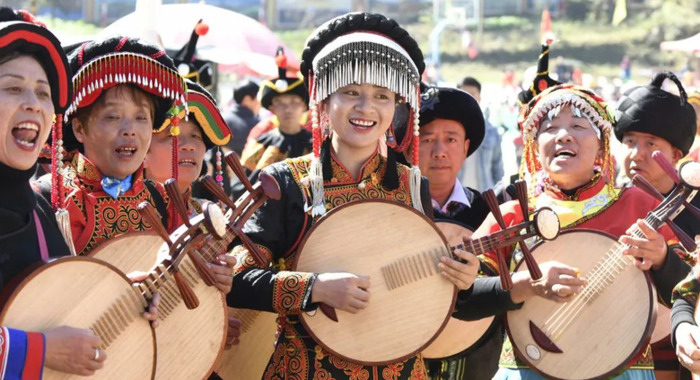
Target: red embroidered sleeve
x,y
247,261
291,291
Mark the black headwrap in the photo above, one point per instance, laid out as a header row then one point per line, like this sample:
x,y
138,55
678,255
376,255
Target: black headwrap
x,y
649,109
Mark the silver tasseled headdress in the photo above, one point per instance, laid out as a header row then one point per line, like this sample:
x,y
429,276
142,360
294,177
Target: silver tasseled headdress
x,y
363,57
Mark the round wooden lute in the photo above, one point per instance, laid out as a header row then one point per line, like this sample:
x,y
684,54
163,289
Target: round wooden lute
x,y
458,335
198,334
599,332
248,359
86,293
399,249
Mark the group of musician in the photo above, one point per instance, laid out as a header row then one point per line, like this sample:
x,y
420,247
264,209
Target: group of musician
x,y
120,120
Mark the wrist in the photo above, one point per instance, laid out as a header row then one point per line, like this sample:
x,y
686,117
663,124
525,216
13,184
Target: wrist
x,y
522,287
317,290
681,330
658,264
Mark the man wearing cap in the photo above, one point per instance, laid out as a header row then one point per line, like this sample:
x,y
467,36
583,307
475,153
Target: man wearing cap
x,y
288,99
451,129
651,119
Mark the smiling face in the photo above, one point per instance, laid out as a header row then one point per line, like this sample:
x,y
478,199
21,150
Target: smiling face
x,y
443,148
190,155
567,148
26,111
359,115
116,131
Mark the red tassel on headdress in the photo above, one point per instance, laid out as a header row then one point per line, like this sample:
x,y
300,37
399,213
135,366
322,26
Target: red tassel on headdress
x,y
416,143
62,217
176,159
316,128
56,183
415,181
315,178
175,131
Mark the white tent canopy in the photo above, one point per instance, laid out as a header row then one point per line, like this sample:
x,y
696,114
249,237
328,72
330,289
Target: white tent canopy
x,y
689,45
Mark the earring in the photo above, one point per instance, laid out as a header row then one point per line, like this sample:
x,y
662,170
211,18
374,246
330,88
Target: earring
x,y
390,138
326,130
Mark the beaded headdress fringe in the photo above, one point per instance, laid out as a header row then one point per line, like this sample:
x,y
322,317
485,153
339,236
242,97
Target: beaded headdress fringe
x,y
126,68
366,62
542,108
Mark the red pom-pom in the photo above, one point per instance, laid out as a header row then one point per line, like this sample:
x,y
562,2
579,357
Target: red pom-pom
x,y
201,29
281,61
174,120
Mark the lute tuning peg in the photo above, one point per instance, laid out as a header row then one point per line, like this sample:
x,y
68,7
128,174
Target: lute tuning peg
x,y
521,194
214,189
234,162
648,188
503,267
173,190
666,166
186,291
148,212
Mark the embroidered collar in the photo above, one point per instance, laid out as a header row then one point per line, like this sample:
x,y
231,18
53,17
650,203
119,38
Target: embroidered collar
x,y
369,170
89,175
584,192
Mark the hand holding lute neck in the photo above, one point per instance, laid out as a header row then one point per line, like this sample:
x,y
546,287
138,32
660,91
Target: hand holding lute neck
x,y
650,247
151,313
223,272
461,273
